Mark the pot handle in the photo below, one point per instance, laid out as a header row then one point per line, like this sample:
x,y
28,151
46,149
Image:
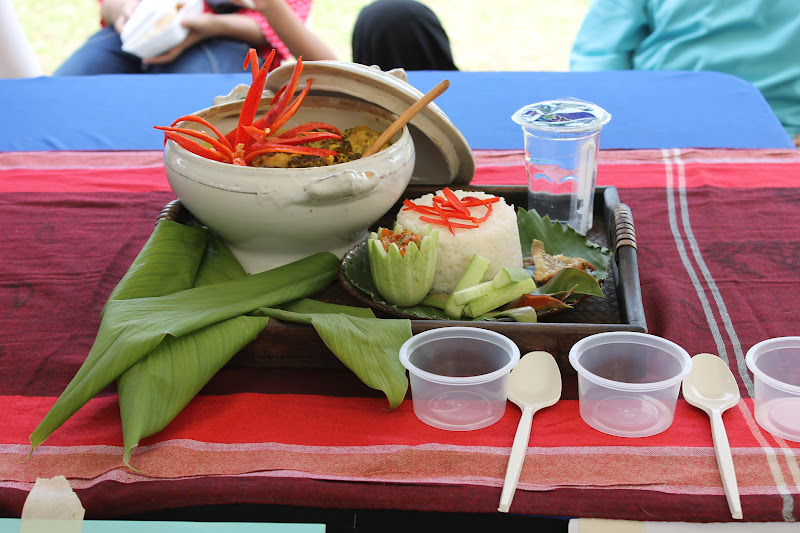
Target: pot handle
x,y
344,185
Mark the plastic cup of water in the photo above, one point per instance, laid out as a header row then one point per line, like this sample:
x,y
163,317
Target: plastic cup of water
x,y
561,145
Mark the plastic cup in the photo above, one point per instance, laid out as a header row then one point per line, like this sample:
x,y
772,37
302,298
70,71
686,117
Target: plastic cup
x,y
459,376
628,382
561,144
775,364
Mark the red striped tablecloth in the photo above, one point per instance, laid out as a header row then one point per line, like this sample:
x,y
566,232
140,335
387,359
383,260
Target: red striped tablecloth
x,y
719,247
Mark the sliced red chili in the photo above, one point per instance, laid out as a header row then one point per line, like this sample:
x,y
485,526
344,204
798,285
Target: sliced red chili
x,y
485,216
195,148
292,108
307,137
204,122
203,136
308,126
253,98
267,121
258,135
251,60
455,203
471,201
277,95
251,138
450,225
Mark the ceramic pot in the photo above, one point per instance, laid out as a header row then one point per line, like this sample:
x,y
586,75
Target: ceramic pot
x,y
272,216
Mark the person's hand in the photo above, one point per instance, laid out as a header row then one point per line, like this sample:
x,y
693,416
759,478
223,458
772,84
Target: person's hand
x,y
797,140
200,28
258,5
117,12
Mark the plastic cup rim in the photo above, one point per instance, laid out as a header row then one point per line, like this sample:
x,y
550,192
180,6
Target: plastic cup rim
x,y
630,387
601,119
758,349
460,332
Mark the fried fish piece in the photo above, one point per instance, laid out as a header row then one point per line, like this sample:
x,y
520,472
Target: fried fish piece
x,y
548,265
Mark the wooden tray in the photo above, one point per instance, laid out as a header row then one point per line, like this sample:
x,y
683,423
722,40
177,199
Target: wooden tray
x,y
293,345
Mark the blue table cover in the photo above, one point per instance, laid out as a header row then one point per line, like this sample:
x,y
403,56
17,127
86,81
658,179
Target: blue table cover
x,y
649,109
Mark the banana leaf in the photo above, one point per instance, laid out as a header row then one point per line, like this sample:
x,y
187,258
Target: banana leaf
x,y
217,264
167,263
154,390
571,282
368,346
310,306
561,239
132,328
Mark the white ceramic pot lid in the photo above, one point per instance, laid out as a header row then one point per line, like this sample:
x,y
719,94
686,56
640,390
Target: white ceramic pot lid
x,y
443,156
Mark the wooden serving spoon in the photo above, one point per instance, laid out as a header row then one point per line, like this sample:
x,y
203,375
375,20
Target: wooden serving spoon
x,y
407,115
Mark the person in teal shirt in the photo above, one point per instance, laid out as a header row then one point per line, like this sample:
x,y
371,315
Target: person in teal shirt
x,y
756,40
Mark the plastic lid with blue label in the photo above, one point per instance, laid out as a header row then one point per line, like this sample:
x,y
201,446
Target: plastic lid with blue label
x,y
562,115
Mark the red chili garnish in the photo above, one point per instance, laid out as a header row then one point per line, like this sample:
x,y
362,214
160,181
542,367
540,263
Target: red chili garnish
x,y
253,137
471,201
455,203
540,302
451,207
448,223
486,215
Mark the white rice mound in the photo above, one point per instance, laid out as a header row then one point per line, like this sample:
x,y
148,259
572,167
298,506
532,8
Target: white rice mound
x,y
497,239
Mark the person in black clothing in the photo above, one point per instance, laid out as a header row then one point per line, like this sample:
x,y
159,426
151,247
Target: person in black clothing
x,y
401,34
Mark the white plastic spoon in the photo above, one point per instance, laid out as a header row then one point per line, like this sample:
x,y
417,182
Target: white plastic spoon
x,y
533,384
710,386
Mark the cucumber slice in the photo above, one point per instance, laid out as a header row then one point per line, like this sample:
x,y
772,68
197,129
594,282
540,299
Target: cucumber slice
x,y
474,274
465,296
499,297
506,276
435,299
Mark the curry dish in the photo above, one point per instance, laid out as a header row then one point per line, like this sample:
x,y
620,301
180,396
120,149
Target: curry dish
x,y
350,147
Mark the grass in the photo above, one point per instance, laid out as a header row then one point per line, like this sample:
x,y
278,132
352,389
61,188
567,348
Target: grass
x,y
510,35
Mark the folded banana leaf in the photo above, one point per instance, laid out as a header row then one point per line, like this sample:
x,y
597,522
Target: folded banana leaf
x,y
368,346
156,389
142,311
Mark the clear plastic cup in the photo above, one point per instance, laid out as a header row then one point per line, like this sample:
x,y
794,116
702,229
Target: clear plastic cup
x,y
459,376
561,145
628,382
775,364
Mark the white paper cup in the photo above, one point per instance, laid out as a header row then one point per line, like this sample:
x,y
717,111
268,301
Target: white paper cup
x,y
459,376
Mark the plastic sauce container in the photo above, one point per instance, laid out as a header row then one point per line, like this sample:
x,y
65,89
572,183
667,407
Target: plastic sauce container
x,y
628,382
459,376
775,364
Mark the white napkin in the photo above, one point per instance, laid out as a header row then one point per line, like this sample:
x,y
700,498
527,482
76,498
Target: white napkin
x,y
598,525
